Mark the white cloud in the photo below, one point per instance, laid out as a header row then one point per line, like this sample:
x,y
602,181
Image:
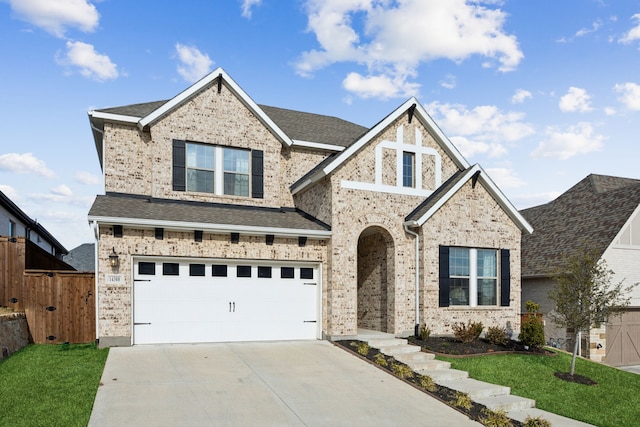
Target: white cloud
x,y
610,111
594,27
392,38
576,140
520,96
62,190
634,33
577,99
91,64
449,82
247,5
505,177
87,178
55,16
24,164
379,86
9,191
629,95
481,130
193,64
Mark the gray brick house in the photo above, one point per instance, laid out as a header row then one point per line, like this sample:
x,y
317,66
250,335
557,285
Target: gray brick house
x,y
602,212
225,220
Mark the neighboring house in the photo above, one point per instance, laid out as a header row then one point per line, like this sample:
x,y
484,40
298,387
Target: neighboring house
x,y
227,220
15,223
604,213
82,258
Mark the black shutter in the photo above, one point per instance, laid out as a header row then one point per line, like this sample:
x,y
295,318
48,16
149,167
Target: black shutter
x,y
505,277
179,165
257,174
443,275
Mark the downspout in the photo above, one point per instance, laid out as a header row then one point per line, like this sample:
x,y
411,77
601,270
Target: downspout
x,y
96,232
417,278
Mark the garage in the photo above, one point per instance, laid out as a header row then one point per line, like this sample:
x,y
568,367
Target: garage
x,y
623,339
217,300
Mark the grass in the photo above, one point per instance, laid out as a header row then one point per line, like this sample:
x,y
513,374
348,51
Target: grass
x,y
50,385
614,401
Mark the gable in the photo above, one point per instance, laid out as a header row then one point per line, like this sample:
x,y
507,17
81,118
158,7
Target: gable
x,y
412,110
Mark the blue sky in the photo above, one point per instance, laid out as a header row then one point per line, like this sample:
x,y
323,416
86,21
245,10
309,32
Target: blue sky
x,y
541,93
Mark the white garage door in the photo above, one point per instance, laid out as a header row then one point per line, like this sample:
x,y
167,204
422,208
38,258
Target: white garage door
x,y
189,301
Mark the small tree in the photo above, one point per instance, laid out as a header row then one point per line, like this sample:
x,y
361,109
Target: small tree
x,y
584,295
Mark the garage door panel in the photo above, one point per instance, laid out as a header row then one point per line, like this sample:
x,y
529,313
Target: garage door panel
x,y
220,306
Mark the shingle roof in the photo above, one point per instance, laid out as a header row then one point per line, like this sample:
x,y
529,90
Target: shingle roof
x,y
82,258
123,206
591,212
296,124
440,192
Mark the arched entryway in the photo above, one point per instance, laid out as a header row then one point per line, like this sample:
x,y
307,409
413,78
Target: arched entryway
x,y
376,278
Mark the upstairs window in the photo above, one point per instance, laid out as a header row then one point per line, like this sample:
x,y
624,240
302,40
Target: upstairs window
x,y
408,169
207,168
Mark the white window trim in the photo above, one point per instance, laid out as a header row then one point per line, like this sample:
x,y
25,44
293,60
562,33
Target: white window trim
x,y
218,170
473,279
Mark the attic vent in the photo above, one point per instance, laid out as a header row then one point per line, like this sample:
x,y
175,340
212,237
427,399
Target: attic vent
x,y
219,82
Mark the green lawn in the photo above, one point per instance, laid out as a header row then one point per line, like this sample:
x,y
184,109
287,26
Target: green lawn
x,y
614,401
50,385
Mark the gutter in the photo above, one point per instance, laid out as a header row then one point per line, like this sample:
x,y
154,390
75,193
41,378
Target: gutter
x,y
96,232
417,278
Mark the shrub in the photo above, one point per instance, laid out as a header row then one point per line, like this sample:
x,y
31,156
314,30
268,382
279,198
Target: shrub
x,y
462,400
401,370
497,335
424,333
363,348
380,359
536,422
532,333
467,333
495,419
426,382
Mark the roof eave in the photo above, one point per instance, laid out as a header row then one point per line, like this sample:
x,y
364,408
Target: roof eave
x,y
212,228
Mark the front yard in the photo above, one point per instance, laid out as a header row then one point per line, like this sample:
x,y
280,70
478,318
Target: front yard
x,y
50,385
614,401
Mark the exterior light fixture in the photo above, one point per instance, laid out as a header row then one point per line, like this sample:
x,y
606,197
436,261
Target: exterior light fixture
x,y
114,261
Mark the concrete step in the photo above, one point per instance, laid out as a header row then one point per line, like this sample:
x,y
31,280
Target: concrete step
x,y
408,358
444,374
397,350
506,403
554,419
386,342
474,388
428,365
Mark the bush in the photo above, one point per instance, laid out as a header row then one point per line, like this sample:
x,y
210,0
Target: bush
x,y
467,333
427,383
536,422
495,419
363,348
401,370
380,359
532,333
462,400
497,335
424,333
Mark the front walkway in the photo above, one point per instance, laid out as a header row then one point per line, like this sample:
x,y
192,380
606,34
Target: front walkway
x,y
303,383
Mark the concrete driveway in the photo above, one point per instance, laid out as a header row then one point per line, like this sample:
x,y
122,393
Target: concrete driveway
x,y
302,383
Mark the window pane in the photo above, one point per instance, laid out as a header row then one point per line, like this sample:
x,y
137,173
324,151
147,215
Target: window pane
x,y
200,156
200,180
487,292
147,268
458,262
236,160
287,272
236,184
170,268
219,270
196,269
487,263
264,272
306,273
408,167
243,271
459,292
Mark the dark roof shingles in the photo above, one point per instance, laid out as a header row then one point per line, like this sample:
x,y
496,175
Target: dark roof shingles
x,y
592,212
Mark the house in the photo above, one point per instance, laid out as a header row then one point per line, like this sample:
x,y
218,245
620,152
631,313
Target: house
x,y
15,223
603,212
225,220
82,257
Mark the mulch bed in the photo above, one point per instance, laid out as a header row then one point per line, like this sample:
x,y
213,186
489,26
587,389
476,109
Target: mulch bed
x,y
449,346
444,394
575,378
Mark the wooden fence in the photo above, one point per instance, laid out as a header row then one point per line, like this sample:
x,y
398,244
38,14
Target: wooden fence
x,y
59,304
